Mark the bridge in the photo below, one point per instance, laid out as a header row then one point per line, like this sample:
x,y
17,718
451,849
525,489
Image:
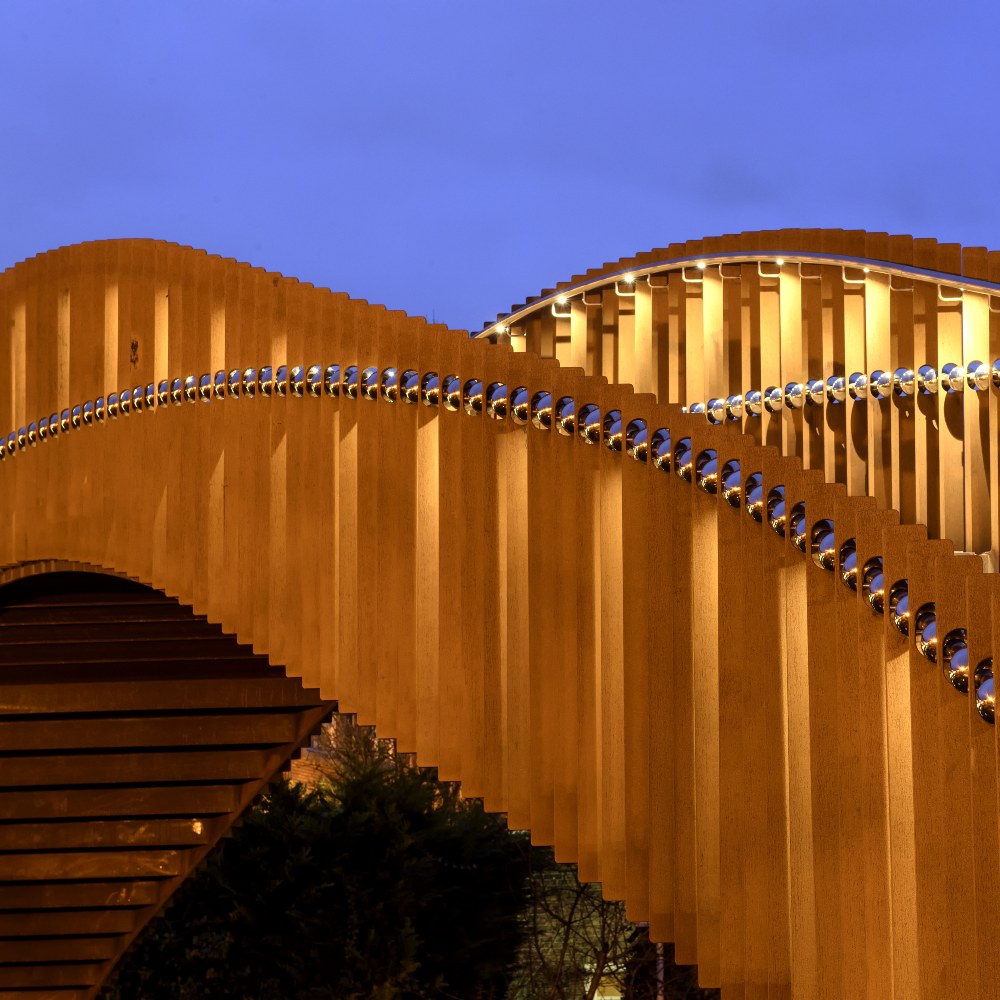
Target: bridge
x,y
687,565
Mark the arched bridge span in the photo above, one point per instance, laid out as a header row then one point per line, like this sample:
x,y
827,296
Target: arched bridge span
x,y
709,675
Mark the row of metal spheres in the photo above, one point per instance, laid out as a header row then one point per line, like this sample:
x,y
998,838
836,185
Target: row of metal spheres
x,y
820,542
542,412
860,386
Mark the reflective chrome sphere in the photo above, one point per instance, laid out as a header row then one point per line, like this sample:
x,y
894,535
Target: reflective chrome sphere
x,y
797,523
314,380
795,395
589,423
250,382
880,384
683,459
904,381
716,411
776,510
899,606
952,378
409,386
836,391
707,471
732,485
519,405
734,407
755,496
773,399
815,392
430,391
927,380
823,546
390,385
983,680
754,403
848,558
873,585
857,386
541,409
925,631
472,396
613,430
451,393
496,400
636,440
955,659
661,448
350,380
331,380
978,376
566,416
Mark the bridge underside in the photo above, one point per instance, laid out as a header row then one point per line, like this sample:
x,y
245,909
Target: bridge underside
x,y
132,735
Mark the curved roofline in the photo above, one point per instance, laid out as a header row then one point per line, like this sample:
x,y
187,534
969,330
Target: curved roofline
x,y
124,243
949,263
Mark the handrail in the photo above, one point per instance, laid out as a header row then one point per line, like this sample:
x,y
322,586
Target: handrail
x,y
616,431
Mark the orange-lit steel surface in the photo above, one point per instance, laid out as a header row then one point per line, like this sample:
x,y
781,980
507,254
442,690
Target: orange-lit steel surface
x,y
133,734
724,666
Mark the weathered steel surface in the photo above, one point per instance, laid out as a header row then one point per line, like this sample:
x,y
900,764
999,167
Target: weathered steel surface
x,y
671,648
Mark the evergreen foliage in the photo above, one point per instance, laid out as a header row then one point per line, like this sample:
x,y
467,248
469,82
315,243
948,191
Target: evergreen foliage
x,y
383,885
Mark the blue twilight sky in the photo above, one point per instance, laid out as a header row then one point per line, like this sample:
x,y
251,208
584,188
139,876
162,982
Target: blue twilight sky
x,y
449,158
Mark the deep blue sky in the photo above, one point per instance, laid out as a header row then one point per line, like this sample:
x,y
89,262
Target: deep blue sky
x,y
449,157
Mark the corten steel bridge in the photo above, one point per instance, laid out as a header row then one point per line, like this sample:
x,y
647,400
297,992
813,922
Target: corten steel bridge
x,y
724,638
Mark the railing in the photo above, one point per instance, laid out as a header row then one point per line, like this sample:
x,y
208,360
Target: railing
x,y
614,431
869,357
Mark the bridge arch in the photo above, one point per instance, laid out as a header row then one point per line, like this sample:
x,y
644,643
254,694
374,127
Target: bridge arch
x,y
560,605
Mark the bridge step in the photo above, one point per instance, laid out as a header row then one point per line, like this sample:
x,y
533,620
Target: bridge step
x,y
118,772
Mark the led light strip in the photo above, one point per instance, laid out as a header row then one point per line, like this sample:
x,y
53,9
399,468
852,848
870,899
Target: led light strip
x,y
625,279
